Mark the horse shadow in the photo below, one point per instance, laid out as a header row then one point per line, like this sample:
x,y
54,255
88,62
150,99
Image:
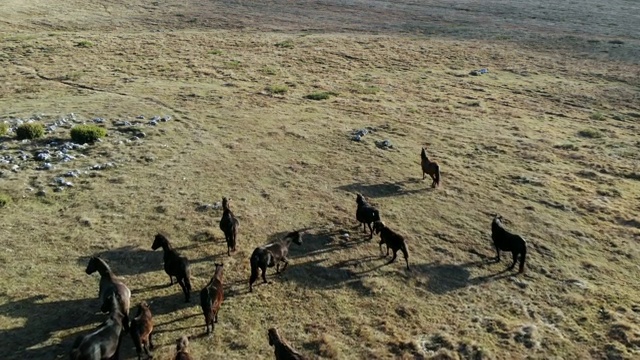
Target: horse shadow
x,y
313,275
323,241
129,260
445,278
385,189
37,338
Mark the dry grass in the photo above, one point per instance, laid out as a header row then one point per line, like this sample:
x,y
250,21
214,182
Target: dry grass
x,y
508,141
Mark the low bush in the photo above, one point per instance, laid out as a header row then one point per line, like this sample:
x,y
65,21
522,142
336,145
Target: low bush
x,y
4,200
4,129
87,133
321,95
30,131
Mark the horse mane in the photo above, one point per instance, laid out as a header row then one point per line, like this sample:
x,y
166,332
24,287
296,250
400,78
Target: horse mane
x,y
165,239
423,154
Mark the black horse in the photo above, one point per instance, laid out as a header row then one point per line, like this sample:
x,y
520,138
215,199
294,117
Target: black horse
x,y
104,342
174,265
366,214
506,241
272,255
229,226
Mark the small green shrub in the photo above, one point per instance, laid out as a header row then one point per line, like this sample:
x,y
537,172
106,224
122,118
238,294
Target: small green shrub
x,y
84,44
269,70
365,90
30,131
233,64
597,116
590,133
4,200
567,146
277,89
87,133
215,52
4,129
287,44
320,95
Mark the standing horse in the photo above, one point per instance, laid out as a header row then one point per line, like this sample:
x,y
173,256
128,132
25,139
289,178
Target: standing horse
x,y
507,241
104,342
366,214
282,349
211,298
430,167
229,226
272,255
141,330
110,284
174,265
182,349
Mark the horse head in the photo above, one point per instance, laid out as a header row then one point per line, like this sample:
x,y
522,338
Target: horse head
x,y
93,265
225,203
274,337
159,241
378,226
359,198
182,344
295,236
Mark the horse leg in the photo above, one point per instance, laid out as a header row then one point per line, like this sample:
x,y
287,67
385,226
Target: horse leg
x,y
150,342
364,228
286,263
170,280
515,259
184,289
278,267
371,230
264,274
433,177
381,242
497,252
395,252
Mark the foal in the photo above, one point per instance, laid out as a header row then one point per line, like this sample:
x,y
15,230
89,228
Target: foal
x,y
174,265
211,298
282,349
366,214
272,255
430,167
229,226
507,241
141,330
104,342
181,348
393,240
110,284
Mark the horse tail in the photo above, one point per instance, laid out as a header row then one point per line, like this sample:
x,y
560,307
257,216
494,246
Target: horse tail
x,y
423,155
405,252
205,303
437,174
376,215
255,258
135,335
523,255
187,278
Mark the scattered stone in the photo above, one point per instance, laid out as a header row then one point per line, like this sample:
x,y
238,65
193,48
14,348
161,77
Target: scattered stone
x,y
58,189
141,117
523,284
41,192
62,181
98,120
205,207
102,166
153,123
479,72
526,336
15,168
577,282
155,118
384,144
43,156
72,173
166,118
45,166
122,123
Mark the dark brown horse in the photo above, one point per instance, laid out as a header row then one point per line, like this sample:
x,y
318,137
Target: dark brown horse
x,y
211,298
507,241
393,240
141,330
174,265
229,226
110,284
272,255
282,349
430,167
182,349
104,342
366,214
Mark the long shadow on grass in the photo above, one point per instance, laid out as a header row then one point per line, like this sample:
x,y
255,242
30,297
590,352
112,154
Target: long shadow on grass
x,y
129,260
42,318
385,189
444,278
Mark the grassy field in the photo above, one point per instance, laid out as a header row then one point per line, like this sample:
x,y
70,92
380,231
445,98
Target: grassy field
x,y
548,138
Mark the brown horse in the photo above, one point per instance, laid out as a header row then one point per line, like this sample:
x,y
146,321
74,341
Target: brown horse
x,y
110,284
229,226
282,349
431,168
174,265
182,351
211,298
271,255
141,330
104,342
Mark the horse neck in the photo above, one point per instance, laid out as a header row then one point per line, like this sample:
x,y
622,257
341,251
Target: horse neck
x,y
104,270
166,246
218,274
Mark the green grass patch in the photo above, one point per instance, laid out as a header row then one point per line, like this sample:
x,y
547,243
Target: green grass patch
x,y
567,146
4,129
216,52
267,70
287,44
30,131
591,133
277,89
320,95
84,44
233,64
365,90
88,133
597,116
4,200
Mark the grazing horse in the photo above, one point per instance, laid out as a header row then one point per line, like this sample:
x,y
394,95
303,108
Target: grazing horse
x,y
141,330
271,255
182,351
110,284
174,265
393,240
506,241
366,214
104,342
282,349
430,167
229,226
211,298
